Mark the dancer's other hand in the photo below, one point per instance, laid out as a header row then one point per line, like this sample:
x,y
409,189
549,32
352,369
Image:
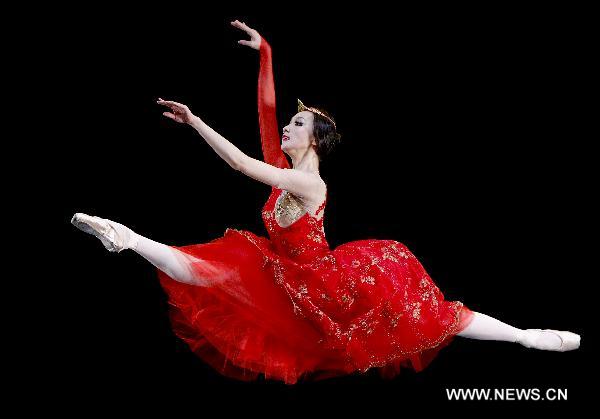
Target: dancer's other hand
x,y
255,38
179,112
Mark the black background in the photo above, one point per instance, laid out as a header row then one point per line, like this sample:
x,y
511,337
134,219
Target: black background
x,y
462,138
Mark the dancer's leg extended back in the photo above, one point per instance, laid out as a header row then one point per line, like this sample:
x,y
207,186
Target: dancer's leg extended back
x,y
485,327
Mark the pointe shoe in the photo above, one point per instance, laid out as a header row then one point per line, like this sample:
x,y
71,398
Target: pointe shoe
x,y
114,236
569,340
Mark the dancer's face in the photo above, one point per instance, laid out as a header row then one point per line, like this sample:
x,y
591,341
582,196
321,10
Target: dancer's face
x,y
299,133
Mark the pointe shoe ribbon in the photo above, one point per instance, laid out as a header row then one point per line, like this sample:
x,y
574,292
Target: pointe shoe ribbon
x,y
114,236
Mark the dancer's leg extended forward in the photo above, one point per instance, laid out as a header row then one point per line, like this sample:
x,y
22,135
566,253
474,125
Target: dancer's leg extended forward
x,y
117,237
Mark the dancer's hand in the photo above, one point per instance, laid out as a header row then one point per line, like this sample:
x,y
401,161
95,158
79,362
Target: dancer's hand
x,y
179,112
254,42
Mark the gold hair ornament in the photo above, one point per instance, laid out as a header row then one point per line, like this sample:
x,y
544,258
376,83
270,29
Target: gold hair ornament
x,y
301,108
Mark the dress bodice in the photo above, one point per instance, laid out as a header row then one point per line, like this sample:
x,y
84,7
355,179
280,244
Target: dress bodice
x,y
294,231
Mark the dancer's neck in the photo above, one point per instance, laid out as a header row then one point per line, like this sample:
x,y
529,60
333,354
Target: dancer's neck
x,y
308,162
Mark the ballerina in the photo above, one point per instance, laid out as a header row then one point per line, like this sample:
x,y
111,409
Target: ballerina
x,y
288,306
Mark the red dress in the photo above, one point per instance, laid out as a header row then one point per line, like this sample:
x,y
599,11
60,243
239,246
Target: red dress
x,y
289,307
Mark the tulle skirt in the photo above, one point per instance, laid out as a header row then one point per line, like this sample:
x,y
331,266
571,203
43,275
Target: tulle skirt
x,y
244,324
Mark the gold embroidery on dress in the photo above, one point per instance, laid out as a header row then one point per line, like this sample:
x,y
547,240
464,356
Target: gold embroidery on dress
x,y
368,279
288,209
314,236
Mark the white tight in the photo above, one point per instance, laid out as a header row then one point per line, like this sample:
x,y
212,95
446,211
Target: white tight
x,y
484,327
173,262
179,265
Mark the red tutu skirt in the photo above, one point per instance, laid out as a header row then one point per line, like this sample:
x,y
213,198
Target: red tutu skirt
x,y
252,319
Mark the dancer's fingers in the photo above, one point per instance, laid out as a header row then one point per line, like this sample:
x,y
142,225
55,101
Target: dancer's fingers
x,y
171,107
171,116
167,102
170,104
242,26
244,42
238,24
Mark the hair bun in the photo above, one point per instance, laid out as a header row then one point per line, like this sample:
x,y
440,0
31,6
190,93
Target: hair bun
x,y
325,133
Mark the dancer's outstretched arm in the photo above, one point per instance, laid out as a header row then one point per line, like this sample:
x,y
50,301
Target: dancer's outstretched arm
x,y
267,115
297,182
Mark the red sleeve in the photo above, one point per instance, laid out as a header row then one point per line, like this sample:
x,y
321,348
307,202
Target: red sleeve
x,y
267,117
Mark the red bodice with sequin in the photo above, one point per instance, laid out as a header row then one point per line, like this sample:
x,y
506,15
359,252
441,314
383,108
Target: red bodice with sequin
x,y
304,240
288,306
